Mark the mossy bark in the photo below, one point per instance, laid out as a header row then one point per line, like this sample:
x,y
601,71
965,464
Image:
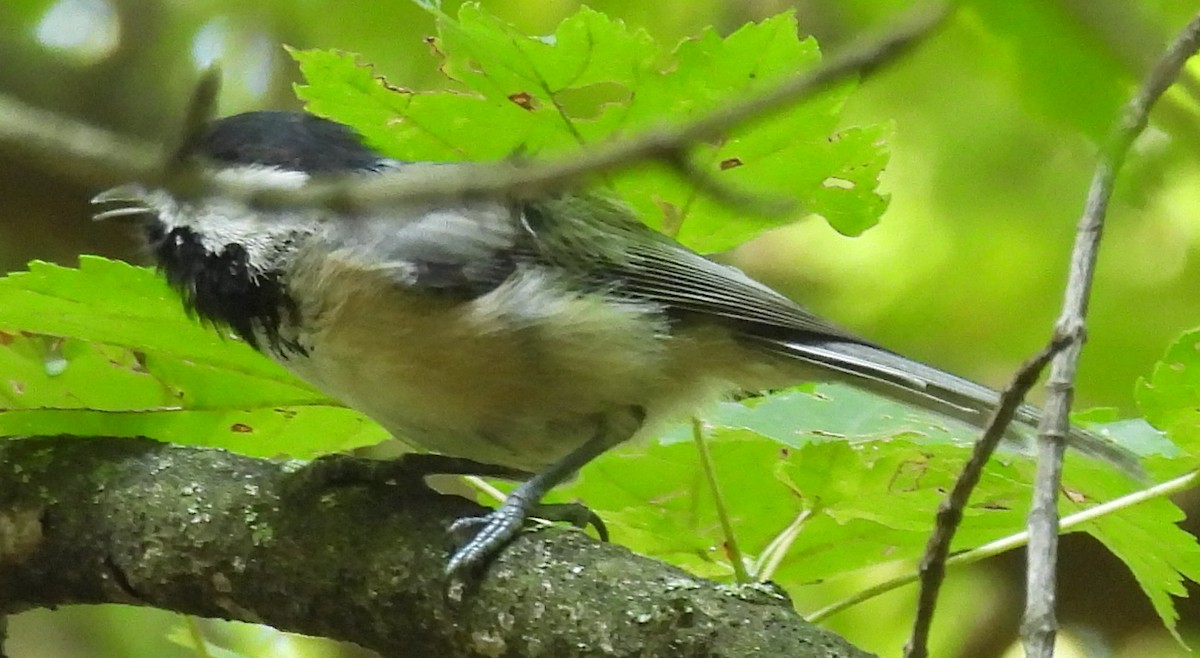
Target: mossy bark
x,y
210,533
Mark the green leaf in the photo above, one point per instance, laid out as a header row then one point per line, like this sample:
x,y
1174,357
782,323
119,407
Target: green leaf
x,y
595,78
799,154
400,122
863,504
865,488
107,350
797,416
181,636
656,500
108,301
1170,398
1161,555
493,59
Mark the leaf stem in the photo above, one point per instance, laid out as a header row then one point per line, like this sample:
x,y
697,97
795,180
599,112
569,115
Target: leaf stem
x,y
197,635
710,474
772,556
486,488
1176,485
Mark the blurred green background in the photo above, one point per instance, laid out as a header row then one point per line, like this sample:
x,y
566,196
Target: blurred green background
x,y
996,122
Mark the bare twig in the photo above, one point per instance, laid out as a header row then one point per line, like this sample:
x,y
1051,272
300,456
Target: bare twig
x,y
105,158
663,144
1039,626
949,516
722,192
66,147
200,111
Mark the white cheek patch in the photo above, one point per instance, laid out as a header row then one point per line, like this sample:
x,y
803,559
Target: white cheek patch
x,y
260,176
220,222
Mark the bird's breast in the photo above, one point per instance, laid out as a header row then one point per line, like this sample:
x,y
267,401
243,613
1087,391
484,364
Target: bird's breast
x,y
518,376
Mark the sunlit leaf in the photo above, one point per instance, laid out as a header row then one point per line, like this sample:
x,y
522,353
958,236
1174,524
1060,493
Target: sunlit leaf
x,y
1170,397
595,78
106,350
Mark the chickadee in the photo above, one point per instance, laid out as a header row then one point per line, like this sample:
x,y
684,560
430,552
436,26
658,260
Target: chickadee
x,y
531,335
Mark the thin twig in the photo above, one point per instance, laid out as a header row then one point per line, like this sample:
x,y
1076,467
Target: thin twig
x,y
66,147
1014,541
101,157
950,512
201,110
1039,627
662,144
722,192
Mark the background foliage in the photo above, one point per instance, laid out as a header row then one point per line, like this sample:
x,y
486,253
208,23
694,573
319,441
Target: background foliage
x,y
990,128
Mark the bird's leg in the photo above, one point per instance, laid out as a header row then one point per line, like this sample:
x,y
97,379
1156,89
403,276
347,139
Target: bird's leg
x,y
434,464
498,527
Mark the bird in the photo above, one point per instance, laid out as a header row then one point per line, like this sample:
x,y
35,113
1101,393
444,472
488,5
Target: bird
x,y
528,334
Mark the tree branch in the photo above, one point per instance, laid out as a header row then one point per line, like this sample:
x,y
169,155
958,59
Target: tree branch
x,y
209,533
1039,626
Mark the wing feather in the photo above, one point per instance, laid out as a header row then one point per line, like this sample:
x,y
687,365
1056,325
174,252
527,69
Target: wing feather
x,y
642,263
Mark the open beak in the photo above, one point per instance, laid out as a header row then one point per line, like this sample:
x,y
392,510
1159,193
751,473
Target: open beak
x,y
132,200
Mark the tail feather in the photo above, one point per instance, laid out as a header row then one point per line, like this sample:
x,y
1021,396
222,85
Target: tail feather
x,y
891,375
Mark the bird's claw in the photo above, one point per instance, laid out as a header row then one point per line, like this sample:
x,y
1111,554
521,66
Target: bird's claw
x,y
497,528
577,514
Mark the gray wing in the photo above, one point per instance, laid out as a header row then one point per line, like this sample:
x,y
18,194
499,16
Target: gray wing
x,y
646,265
468,249
684,282
612,248
459,250
471,248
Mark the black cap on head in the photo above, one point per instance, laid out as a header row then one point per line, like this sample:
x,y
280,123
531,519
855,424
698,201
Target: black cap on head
x,y
295,141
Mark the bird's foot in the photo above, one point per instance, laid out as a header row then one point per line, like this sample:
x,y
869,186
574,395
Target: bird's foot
x,y
494,530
